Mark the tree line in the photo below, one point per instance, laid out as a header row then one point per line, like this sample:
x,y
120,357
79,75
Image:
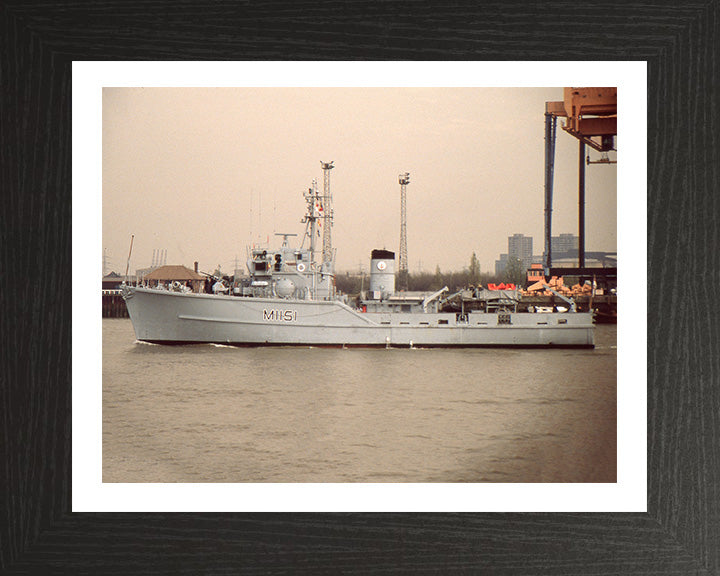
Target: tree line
x,y
429,281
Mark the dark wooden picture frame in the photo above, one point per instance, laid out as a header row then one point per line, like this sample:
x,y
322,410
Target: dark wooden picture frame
x,y
680,533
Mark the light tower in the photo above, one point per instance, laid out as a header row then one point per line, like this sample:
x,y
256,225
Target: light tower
x,y
404,180
327,211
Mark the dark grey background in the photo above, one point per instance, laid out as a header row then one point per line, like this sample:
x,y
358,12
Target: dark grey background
x,y
680,534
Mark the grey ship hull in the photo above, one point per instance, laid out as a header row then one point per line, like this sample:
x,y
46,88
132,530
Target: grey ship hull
x,y
166,317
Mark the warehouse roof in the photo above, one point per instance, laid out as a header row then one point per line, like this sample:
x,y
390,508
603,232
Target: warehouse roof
x,y
173,273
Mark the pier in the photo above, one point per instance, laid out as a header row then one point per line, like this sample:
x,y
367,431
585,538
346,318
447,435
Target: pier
x,y
113,305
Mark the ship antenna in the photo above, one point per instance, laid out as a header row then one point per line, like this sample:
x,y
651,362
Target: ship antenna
x,y
313,215
127,266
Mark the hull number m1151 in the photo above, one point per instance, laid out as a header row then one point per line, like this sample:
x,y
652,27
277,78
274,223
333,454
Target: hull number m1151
x,y
280,315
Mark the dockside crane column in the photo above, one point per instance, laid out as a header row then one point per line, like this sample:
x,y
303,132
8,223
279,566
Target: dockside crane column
x,y
550,132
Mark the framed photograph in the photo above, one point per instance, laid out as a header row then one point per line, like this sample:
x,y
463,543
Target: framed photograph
x,y
167,135
61,516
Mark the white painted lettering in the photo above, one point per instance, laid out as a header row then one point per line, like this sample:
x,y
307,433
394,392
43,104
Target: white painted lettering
x,y
279,315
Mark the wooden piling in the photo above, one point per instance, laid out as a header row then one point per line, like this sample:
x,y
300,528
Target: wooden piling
x,y
113,306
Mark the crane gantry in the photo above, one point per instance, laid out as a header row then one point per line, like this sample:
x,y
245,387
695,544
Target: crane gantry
x,y
591,117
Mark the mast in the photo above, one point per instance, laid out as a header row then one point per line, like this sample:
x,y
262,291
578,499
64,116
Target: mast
x,y
319,212
127,266
327,215
313,214
404,180
310,219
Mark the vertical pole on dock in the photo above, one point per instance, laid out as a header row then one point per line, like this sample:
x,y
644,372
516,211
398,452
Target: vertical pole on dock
x,y
550,130
581,206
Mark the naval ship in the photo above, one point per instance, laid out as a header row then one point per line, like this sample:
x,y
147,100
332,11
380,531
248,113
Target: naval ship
x,y
289,299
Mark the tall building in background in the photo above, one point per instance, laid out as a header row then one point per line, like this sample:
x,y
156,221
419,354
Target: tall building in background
x,y
564,251
501,264
521,247
565,245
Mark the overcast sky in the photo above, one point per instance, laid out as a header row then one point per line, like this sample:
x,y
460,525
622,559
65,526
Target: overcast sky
x,y
204,172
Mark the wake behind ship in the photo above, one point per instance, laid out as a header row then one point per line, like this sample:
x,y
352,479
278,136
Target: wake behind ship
x,y
289,299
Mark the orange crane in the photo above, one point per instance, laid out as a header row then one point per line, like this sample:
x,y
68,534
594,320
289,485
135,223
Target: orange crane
x,y
591,117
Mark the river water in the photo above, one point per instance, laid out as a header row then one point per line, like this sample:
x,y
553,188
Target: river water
x,y
210,413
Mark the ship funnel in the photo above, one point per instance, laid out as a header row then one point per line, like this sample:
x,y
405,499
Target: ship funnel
x,y
382,274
